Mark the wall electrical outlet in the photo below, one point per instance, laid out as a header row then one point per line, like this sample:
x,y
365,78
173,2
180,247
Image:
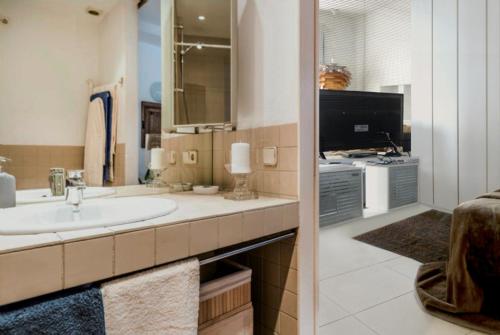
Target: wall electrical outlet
x,y
172,158
190,157
270,156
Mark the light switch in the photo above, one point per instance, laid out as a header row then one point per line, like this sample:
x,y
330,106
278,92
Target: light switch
x,y
270,156
172,158
190,157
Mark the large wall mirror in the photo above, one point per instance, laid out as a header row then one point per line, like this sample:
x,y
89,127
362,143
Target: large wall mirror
x,y
95,85
202,64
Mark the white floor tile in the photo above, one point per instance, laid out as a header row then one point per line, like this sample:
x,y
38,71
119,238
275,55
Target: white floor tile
x,y
406,266
341,255
347,326
361,289
403,315
329,311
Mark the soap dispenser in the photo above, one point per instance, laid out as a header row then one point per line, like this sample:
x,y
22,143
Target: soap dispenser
x,y
7,186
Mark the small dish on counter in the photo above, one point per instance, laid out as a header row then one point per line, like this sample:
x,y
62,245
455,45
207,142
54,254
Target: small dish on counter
x,y
205,189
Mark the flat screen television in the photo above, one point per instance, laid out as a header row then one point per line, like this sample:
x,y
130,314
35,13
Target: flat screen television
x,y
351,120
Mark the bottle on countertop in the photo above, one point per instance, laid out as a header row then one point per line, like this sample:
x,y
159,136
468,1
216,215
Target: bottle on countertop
x,y
7,186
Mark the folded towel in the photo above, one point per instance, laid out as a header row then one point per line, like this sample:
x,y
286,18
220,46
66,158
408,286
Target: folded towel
x,y
159,301
76,311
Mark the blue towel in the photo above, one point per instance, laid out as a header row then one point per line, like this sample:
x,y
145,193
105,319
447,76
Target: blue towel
x,y
108,118
75,312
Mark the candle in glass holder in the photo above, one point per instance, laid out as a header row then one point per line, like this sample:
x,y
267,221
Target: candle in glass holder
x,y
240,158
157,158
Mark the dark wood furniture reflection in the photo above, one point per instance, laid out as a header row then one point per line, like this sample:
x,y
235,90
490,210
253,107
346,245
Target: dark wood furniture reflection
x,y
150,120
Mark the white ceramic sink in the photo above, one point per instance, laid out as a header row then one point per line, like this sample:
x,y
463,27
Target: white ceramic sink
x,y
59,217
44,195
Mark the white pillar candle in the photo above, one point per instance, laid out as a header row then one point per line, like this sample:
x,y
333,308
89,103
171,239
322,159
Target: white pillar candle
x,y
157,158
240,158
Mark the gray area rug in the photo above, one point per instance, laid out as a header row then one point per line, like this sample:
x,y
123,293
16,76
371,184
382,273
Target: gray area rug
x,y
424,237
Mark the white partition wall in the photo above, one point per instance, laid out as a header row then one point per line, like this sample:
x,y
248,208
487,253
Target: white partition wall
x,y
444,98
493,93
472,98
464,116
422,95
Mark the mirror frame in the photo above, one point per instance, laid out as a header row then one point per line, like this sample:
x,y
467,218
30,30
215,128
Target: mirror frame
x,y
167,39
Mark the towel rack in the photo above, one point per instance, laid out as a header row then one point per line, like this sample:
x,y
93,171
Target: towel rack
x,y
246,248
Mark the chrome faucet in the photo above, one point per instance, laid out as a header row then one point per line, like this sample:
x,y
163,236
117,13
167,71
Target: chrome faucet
x,y
74,189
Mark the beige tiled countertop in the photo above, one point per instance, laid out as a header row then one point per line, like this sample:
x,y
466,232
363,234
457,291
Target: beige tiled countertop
x,y
32,265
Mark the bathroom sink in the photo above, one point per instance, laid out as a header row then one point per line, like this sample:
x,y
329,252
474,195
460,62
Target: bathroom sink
x,y
59,217
44,195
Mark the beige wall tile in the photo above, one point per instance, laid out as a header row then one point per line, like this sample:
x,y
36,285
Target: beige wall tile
x,y
88,261
269,136
271,319
291,216
287,159
288,135
288,255
134,251
30,273
271,296
172,243
288,325
271,252
274,220
218,140
272,182
288,279
230,230
271,274
288,183
253,224
203,236
289,304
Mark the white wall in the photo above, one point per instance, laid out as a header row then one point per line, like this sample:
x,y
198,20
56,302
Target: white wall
x,y
47,54
268,62
456,107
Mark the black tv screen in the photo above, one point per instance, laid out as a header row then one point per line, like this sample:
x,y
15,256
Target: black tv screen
x,y
355,120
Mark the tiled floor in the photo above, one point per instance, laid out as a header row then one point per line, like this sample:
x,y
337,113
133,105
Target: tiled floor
x,y
366,290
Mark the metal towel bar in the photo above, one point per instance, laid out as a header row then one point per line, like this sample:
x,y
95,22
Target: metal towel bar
x,y
246,248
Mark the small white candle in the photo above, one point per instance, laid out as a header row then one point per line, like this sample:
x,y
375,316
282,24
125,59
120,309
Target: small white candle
x,y
157,158
240,158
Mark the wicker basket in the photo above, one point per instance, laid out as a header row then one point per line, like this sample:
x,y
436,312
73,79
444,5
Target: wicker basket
x,y
225,287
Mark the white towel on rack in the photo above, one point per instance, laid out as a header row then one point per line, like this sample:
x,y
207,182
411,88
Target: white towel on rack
x,y
95,144
115,91
159,301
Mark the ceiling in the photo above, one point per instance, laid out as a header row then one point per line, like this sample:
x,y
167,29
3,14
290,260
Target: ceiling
x,y
80,6
217,13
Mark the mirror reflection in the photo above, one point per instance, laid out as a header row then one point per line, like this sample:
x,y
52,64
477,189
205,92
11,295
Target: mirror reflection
x,y
202,62
86,90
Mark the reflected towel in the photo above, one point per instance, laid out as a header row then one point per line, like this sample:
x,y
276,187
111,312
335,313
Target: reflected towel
x,y
159,301
76,311
95,144
107,100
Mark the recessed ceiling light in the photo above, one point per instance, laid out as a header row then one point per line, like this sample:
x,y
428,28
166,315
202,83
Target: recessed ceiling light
x,y
199,46
201,18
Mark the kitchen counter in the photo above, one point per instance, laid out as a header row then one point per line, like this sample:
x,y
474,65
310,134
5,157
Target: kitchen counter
x,y
31,265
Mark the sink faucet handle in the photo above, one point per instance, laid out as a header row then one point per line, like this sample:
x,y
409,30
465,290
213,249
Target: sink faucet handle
x,y
75,184
75,178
